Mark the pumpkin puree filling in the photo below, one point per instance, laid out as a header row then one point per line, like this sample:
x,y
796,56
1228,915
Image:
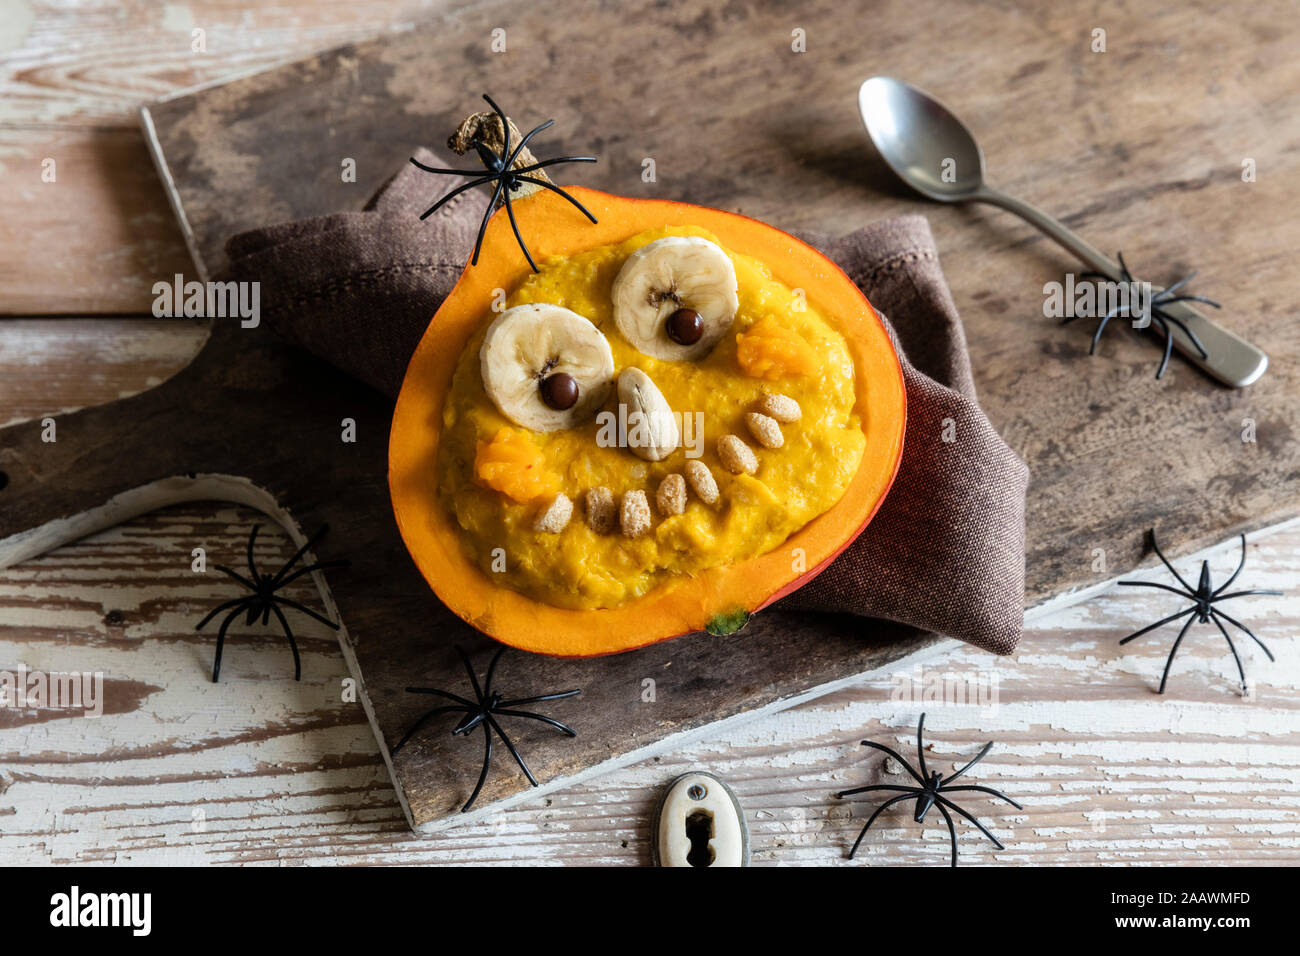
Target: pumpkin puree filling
x,y
754,514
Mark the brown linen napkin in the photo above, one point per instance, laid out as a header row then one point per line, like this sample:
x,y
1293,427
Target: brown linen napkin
x,y
946,551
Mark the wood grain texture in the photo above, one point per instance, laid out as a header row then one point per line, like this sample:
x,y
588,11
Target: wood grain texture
x,y
254,420
72,76
1213,80
53,366
94,240
1123,144
260,770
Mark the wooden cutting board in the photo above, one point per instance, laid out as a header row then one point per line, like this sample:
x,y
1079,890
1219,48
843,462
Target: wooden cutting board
x,y
732,115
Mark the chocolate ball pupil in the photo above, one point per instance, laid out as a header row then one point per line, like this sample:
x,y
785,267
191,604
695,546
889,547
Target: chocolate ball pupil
x,y
685,326
560,391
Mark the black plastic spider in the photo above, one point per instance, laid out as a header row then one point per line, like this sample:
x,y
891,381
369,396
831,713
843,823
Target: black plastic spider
x,y
499,170
263,601
1205,596
1159,316
929,793
484,710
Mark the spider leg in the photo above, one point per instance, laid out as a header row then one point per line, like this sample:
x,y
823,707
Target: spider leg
x,y
444,694
1161,555
221,643
952,831
487,215
1101,327
500,113
305,610
897,756
872,819
849,793
1171,320
943,801
505,137
238,577
446,172
252,536
1153,584
1172,651
996,793
920,746
420,723
1240,564
492,666
510,160
1216,613
1169,344
1160,623
297,661
533,167
1169,290
1237,594
1123,268
556,189
279,575
218,609
454,193
1205,300
469,669
510,212
536,700
1241,671
482,777
319,566
511,747
542,717
978,757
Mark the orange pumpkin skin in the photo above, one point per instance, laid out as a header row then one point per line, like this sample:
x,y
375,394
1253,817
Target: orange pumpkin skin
x,y
719,599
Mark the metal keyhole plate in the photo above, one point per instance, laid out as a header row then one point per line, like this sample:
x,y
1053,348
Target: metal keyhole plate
x,y
700,824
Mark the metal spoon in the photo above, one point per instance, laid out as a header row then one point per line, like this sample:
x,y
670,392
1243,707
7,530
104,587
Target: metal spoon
x,y
926,145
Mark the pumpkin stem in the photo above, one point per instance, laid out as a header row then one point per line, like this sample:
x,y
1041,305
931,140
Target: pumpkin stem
x,y
486,128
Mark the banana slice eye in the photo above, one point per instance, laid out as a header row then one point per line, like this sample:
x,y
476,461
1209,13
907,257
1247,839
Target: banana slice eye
x,y
545,368
676,297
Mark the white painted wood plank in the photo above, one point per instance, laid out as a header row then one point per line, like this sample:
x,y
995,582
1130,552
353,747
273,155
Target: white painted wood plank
x,y
1109,772
282,773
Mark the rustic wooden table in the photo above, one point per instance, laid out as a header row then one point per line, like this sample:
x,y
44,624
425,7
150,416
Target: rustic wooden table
x,y
269,771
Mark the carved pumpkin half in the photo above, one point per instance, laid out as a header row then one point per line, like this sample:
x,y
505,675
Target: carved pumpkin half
x,y
718,599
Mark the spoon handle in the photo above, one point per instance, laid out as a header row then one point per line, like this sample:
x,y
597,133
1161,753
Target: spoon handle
x,y
1231,359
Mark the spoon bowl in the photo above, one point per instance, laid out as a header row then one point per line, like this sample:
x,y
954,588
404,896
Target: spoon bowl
x,y
921,140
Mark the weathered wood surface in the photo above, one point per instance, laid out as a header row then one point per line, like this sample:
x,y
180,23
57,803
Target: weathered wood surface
x,y
253,420
1215,81
1139,147
72,76
260,770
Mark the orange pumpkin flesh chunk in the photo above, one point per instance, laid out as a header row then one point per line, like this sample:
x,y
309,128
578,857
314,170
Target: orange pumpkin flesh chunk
x,y
772,351
511,464
687,604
